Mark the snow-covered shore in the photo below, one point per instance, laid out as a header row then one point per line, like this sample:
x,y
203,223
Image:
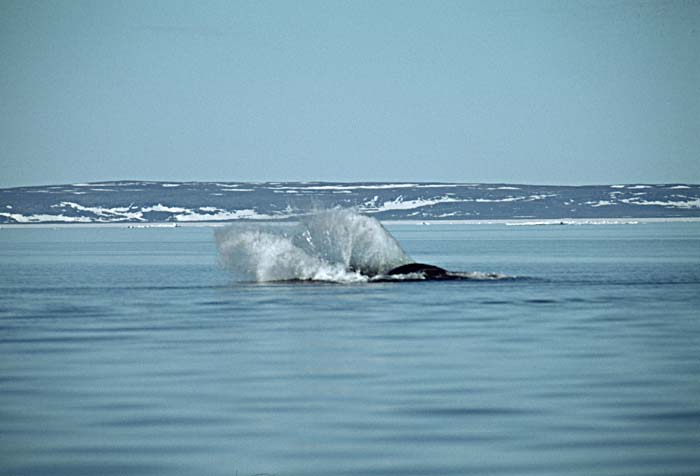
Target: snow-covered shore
x,y
183,203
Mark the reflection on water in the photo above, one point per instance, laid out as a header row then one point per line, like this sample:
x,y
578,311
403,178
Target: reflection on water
x,y
133,352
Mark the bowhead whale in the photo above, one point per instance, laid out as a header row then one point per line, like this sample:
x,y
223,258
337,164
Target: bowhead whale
x,y
420,272
428,271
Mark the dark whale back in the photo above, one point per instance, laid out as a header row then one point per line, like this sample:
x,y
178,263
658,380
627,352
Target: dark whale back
x,y
427,270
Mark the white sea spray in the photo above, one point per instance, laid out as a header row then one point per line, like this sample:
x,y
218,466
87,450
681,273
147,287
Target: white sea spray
x,y
337,245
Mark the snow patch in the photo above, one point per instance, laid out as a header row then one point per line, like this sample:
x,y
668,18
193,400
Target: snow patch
x,y
350,187
382,186
543,196
511,198
118,213
668,204
223,215
163,208
43,218
499,200
400,204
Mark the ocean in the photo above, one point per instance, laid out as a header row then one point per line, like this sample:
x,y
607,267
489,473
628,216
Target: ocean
x,y
572,350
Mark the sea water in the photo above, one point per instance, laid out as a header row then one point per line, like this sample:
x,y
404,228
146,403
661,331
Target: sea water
x,y
148,351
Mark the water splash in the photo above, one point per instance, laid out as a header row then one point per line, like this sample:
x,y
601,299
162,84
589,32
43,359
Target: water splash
x,y
337,245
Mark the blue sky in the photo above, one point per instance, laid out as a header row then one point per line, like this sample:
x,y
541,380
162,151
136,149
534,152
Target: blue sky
x,y
575,92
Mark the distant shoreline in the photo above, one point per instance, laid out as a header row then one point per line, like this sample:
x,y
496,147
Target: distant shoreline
x,y
505,222
211,204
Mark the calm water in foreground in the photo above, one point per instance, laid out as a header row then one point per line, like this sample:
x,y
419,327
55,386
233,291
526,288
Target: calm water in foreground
x,y
132,352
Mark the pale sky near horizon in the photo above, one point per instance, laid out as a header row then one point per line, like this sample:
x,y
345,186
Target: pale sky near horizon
x,y
547,92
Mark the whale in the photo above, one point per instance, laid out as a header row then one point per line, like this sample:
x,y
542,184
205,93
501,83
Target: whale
x,y
427,271
419,272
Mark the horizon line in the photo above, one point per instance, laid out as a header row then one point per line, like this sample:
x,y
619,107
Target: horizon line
x,y
348,182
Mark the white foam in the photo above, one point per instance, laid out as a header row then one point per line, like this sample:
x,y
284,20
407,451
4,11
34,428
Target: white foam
x,y
336,245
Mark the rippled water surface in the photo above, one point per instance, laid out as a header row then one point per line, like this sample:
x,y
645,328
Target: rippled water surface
x,y
132,351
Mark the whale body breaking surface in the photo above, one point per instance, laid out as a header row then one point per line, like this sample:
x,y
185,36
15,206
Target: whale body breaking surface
x,y
429,272
339,245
